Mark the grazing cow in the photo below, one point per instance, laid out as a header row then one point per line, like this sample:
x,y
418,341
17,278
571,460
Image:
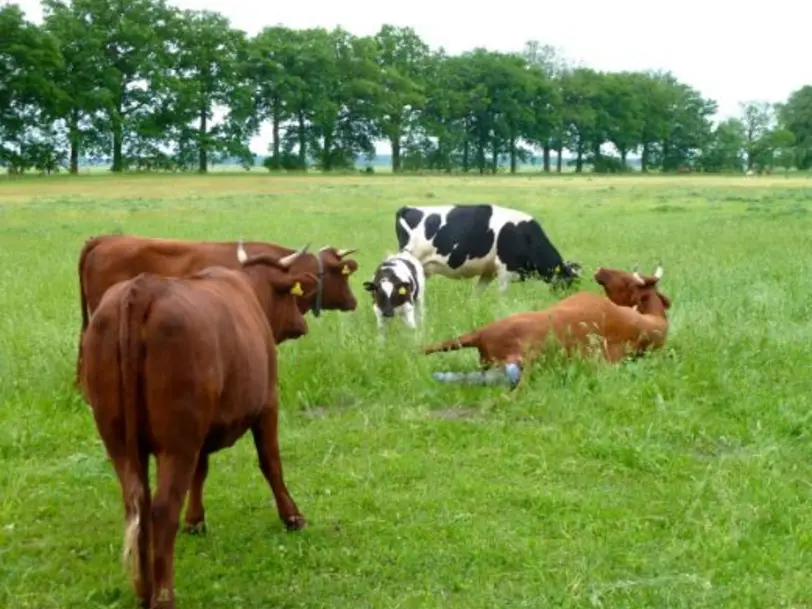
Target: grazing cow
x,y
464,241
179,368
583,322
398,284
108,259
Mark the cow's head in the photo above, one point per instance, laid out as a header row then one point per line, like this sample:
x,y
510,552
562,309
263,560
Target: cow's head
x,y
279,290
566,275
333,270
388,291
632,289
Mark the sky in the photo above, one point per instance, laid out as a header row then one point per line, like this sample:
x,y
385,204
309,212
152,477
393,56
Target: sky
x,y
720,48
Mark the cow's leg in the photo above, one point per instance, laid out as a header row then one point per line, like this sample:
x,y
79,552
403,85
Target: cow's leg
x,y
408,315
266,440
482,283
503,276
195,514
174,475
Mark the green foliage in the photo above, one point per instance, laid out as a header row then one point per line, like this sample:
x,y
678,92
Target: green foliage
x,y
147,85
680,480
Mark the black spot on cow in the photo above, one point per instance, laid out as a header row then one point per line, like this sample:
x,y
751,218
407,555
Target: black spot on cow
x,y
466,234
432,225
524,249
412,217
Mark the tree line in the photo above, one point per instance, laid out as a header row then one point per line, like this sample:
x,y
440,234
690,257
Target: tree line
x,y
138,82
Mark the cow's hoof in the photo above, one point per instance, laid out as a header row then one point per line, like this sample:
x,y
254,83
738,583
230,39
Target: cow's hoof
x,y
295,522
514,374
196,528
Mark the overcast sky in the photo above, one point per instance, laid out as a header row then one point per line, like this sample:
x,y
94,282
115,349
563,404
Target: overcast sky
x,y
727,52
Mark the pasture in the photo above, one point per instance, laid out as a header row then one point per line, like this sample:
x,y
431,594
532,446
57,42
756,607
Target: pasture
x,y
679,480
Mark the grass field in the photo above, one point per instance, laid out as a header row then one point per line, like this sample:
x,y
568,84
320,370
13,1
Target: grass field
x,y
681,480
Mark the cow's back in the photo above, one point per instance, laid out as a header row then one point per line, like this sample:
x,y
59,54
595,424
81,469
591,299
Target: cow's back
x,y
125,257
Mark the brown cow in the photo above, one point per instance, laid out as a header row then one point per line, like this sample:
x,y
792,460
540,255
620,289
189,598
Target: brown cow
x,y
180,368
108,259
631,319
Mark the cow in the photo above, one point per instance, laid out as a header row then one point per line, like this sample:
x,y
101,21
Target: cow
x,y
179,368
469,240
584,322
398,284
107,259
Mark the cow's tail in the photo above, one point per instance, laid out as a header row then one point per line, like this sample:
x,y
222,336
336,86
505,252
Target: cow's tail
x,y
133,312
461,342
88,247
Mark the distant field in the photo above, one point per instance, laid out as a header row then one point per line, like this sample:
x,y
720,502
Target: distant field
x,y
681,480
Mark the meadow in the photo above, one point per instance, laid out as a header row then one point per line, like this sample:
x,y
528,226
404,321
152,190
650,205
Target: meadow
x,y
678,480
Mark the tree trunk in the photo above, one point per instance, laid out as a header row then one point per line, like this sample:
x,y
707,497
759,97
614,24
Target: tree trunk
x,y
395,143
118,160
275,127
579,158
559,162
302,142
546,157
203,144
644,156
74,142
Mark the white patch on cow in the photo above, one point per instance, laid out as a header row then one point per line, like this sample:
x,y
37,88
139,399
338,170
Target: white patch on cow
x,y
487,267
387,288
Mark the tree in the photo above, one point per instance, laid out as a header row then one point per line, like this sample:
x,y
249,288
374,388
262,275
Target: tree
x,y
203,73
796,117
29,61
757,123
402,59
724,150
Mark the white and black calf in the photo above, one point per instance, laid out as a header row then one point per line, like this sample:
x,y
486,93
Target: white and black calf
x,y
481,240
398,286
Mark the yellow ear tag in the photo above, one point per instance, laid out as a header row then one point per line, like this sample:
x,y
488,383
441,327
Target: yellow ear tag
x,y
557,268
296,290
402,291
345,270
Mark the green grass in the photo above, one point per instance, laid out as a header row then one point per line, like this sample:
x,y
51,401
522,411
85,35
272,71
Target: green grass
x,y
681,480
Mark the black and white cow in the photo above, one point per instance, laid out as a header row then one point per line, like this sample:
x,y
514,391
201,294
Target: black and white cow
x,y
398,284
488,241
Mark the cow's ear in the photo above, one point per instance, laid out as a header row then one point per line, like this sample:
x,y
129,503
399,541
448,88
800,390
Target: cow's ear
x,y
369,286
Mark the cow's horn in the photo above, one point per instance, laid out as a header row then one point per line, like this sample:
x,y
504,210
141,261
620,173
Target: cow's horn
x,y
658,272
638,278
242,255
346,252
291,258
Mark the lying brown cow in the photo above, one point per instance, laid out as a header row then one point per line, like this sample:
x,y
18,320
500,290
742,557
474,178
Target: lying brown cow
x,y
180,368
108,259
629,320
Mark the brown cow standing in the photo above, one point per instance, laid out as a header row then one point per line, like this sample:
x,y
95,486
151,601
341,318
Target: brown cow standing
x,y
181,368
630,319
108,259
